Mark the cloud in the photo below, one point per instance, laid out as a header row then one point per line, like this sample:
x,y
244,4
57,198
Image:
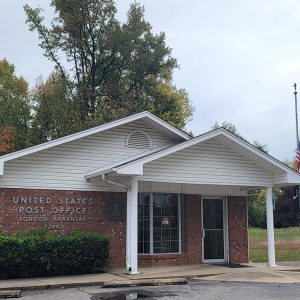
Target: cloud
x,y
238,59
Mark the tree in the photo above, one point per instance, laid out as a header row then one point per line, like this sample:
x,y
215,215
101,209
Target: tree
x,y
257,209
113,69
6,139
228,126
56,113
287,211
288,204
14,109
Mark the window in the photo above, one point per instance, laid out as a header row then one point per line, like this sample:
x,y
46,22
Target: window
x,y
160,228
144,223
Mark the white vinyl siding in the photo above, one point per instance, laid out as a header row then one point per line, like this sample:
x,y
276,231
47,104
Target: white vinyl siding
x,y
193,189
207,163
64,166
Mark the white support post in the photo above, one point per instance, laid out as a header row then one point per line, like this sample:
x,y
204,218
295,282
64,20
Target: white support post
x,y
270,228
1,168
132,228
128,226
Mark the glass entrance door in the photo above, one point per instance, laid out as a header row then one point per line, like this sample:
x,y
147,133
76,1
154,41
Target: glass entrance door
x,y
213,229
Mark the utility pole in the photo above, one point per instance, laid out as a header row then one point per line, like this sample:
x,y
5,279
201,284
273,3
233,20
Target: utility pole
x,y
296,114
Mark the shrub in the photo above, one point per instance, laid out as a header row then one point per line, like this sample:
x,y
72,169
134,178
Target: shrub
x,y
38,253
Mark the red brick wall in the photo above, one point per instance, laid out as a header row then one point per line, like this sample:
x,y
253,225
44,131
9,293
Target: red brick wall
x,y
193,228
95,216
96,221
238,230
193,252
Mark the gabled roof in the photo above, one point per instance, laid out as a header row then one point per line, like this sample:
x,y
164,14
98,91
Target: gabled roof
x,y
135,166
168,128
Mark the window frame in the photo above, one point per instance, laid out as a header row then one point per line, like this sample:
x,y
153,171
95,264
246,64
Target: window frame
x,y
179,207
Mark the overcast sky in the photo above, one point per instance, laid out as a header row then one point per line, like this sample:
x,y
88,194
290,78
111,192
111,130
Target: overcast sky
x,y
239,60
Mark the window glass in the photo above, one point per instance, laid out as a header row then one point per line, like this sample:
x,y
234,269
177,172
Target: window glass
x,y
144,223
165,227
167,210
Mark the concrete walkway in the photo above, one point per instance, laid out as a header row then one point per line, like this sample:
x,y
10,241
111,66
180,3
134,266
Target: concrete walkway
x,y
288,272
283,273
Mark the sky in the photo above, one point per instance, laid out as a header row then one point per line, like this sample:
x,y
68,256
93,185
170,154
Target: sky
x,y
238,60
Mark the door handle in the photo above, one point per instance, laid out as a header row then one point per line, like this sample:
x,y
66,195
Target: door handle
x,y
203,233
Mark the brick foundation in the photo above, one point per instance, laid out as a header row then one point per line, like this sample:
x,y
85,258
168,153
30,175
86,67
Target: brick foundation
x,y
238,230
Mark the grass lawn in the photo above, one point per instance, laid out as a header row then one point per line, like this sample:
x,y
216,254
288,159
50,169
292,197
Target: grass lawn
x,y
287,244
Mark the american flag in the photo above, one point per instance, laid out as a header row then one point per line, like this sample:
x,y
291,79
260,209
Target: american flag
x,y
298,157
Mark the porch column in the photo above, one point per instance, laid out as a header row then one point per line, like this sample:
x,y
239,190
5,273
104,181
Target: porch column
x,y
270,228
132,228
128,226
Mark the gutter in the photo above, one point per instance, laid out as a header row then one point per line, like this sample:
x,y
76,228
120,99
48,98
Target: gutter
x,y
98,174
105,179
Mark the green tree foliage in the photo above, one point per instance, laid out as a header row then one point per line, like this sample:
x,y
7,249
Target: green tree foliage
x,y
228,126
110,69
15,112
56,113
257,209
287,211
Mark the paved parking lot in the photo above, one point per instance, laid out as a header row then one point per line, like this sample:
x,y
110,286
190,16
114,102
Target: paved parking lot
x,y
195,289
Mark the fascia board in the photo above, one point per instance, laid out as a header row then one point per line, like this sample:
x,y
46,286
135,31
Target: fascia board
x,y
98,173
131,170
293,178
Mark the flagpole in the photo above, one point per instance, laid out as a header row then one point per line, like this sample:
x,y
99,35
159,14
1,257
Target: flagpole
x,y
297,137
296,114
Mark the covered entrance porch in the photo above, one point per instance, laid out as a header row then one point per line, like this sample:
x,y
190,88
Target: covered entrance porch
x,y
208,177
180,224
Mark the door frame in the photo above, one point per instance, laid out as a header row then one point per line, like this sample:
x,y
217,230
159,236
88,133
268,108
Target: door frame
x,y
225,230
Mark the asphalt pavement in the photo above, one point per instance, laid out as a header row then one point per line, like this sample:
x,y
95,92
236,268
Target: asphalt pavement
x,y
195,289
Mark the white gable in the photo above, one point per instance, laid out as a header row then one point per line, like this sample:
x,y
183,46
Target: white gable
x,y
207,163
216,157
64,166
148,119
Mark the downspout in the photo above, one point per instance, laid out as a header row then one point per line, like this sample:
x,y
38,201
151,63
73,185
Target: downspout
x,y
105,179
123,186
